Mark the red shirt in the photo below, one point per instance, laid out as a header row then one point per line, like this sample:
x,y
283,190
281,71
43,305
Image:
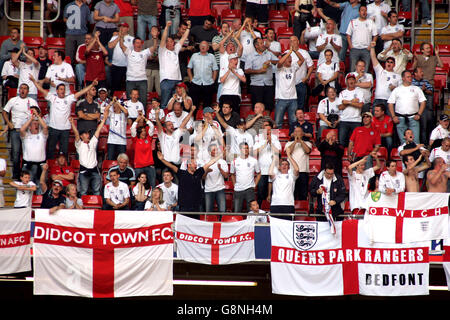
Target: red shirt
x,y
95,66
364,140
143,152
61,170
126,9
383,126
199,8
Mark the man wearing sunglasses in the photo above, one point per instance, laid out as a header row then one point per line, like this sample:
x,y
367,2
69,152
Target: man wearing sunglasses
x,y
53,198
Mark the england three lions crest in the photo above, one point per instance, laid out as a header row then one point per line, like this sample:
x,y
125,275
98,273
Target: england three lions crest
x,y
305,234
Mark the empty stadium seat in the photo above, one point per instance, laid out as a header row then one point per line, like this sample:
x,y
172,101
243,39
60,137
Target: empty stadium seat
x,y
220,6
228,15
33,42
36,201
230,218
278,19
56,43
92,201
209,217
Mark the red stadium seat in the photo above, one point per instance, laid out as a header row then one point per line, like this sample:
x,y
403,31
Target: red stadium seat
x,y
36,201
92,201
278,19
220,6
227,218
56,43
33,42
301,206
209,217
106,164
228,15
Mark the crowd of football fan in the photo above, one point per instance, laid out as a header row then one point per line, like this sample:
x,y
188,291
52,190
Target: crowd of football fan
x,y
197,112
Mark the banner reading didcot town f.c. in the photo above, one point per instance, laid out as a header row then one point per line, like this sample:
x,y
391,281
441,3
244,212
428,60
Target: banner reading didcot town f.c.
x,y
407,217
103,254
308,260
215,242
15,255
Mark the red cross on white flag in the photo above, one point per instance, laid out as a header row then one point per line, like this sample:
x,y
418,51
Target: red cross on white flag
x,y
103,254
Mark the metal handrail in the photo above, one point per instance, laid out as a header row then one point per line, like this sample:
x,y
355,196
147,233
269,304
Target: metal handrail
x,y
22,19
433,28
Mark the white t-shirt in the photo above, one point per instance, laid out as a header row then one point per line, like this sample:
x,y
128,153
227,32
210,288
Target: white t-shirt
x,y
177,121
169,65
25,70
406,99
321,39
214,180
236,138
117,194
245,170
60,111
439,153
327,71
23,197
358,188
361,32
63,70
135,191
134,108
149,205
439,133
265,156
384,80
232,84
387,181
351,113
311,35
391,29
283,186
303,70
332,108
119,58
2,168
136,63
33,146
117,128
246,39
285,82
170,145
374,13
87,152
170,194
20,110
299,155
367,92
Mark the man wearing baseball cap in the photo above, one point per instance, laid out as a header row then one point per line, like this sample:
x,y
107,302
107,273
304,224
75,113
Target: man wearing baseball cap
x,y
53,198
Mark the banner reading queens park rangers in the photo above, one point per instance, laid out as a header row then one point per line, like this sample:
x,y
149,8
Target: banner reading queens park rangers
x,y
103,254
308,260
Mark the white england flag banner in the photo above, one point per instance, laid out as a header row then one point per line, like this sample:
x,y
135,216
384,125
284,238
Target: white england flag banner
x,y
215,242
15,255
103,254
407,217
308,260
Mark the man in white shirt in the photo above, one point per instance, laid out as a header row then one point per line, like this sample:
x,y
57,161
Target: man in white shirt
x,y
230,78
134,106
406,105
170,190
215,182
136,77
15,113
283,183
329,39
442,152
302,74
61,107
386,79
393,30
358,178
60,72
116,194
440,132
117,133
364,81
169,64
34,135
119,61
299,149
89,176
30,66
378,12
243,170
285,92
360,33
177,116
391,181
350,102
266,145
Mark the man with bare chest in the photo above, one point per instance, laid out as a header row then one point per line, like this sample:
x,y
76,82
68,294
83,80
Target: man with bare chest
x,y
438,177
411,172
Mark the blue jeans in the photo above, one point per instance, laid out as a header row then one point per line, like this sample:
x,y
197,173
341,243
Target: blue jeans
x,y
175,21
344,47
283,105
167,90
150,172
302,91
345,131
145,22
93,180
80,72
359,54
412,124
16,151
406,4
219,197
